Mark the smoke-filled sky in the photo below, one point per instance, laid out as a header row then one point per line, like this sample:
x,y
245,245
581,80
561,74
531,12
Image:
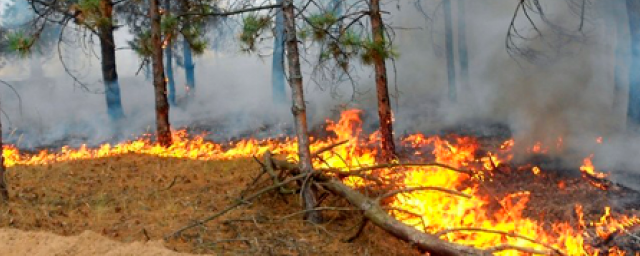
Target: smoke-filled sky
x,y
569,93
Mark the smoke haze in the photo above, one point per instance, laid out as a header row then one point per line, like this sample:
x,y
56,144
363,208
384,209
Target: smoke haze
x,y
568,93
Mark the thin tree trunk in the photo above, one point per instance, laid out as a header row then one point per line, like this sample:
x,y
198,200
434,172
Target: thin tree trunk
x,y
633,114
451,65
189,68
277,68
463,53
382,88
299,109
108,62
171,83
160,87
4,190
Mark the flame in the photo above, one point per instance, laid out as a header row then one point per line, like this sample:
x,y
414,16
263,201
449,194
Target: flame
x,y
536,170
455,218
588,168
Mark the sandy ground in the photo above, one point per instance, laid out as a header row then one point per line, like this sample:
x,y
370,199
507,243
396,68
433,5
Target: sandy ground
x,y
17,242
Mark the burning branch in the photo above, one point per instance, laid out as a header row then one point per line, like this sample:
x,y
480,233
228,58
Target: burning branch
x,y
511,234
375,213
414,189
396,165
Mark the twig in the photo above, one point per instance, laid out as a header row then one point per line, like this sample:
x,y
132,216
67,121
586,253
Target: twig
x,y
173,183
253,183
318,209
413,189
146,234
235,205
362,224
384,166
328,148
507,247
268,167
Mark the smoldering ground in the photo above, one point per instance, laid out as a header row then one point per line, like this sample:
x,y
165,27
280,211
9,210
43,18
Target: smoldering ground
x,y
569,93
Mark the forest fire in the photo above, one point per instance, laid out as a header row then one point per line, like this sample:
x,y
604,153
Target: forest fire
x,y
460,219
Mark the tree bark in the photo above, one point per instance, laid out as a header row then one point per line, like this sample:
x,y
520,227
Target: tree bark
x,y
299,109
108,63
277,68
382,88
451,64
4,190
159,83
463,51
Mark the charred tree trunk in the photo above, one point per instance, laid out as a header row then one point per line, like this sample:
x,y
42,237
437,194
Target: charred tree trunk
x,y
382,87
4,190
108,62
451,65
277,68
299,109
463,52
159,83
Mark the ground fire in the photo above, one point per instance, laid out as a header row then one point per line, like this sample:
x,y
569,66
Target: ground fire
x,y
457,211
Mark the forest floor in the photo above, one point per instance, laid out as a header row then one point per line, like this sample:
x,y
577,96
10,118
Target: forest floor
x,y
139,199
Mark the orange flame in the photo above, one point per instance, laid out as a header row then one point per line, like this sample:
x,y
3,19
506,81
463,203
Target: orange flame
x,y
430,211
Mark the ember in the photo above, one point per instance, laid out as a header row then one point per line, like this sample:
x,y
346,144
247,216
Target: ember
x,y
453,218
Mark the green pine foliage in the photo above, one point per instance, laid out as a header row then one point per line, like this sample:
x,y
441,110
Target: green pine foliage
x,y
253,26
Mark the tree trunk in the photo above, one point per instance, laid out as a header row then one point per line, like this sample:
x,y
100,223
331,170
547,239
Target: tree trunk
x,y
277,68
633,114
451,65
4,190
463,53
108,62
189,68
299,109
160,87
382,88
171,83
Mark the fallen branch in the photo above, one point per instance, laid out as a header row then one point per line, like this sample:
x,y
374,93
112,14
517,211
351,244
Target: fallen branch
x,y
376,214
499,232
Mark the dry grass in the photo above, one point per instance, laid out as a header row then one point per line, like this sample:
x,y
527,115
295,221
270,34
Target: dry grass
x,y
138,197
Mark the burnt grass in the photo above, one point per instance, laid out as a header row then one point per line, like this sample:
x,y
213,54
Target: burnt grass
x,y
139,198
